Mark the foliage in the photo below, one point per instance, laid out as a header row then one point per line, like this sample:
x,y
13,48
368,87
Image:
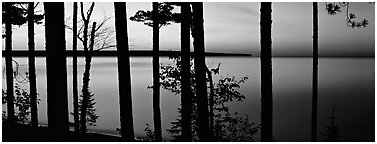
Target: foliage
x,y
19,14
165,16
91,116
234,129
227,126
21,101
149,135
334,8
332,130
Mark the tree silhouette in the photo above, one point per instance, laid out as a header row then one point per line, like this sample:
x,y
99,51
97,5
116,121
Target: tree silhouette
x,y
156,74
8,59
76,117
186,95
87,111
57,100
315,74
32,75
266,71
200,72
161,16
124,73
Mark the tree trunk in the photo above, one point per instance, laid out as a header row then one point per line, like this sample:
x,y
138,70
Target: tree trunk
x,y
32,75
8,61
57,99
211,100
124,73
86,79
315,73
266,71
186,95
156,76
200,72
74,71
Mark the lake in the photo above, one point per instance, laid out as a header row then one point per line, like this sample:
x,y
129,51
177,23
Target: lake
x,y
348,83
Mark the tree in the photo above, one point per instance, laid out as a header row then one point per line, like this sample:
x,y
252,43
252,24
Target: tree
x,y
160,16
8,60
266,71
156,74
315,73
87,111
32,75
101,38
200,72
124,73
186,95
74,71
57,100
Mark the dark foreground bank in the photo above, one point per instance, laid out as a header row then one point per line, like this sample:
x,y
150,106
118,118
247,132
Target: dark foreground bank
x,y
25,133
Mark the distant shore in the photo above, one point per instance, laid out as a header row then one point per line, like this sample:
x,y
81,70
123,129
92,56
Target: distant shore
x,y
138,53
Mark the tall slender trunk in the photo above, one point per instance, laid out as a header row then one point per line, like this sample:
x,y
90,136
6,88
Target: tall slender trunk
x,y
86,79
124,73
186,95
8,61
57,99
315,73
156,75
266,71
211,100
74,71
32,76
200,74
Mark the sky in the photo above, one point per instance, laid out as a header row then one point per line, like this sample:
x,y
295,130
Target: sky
x,y
234,27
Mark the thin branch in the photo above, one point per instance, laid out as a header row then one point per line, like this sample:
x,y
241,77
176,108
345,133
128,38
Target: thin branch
x,y
82,11
89,12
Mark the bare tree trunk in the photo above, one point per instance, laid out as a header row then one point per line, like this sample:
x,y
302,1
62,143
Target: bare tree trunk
x,y
211,102
266,71
200,74
124,73
32,75
86,79
315,73
186,95
57,99
8,61
74,71
156,76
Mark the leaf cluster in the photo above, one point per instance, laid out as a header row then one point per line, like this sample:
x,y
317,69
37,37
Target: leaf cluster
x,y
165,15
21,102
91,116
19,14
334,8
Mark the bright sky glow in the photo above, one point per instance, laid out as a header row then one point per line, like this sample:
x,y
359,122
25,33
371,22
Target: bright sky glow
x,y
234,27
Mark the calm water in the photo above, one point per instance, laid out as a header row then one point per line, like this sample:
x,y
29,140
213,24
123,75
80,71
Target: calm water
x,y
346,82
